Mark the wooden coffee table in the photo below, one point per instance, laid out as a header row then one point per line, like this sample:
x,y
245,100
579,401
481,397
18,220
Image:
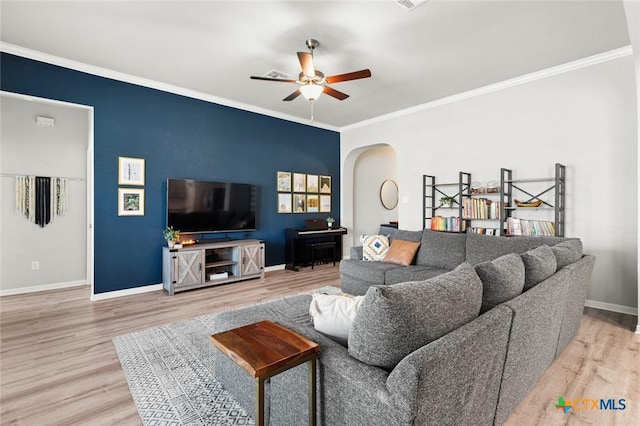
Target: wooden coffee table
x,y
265,349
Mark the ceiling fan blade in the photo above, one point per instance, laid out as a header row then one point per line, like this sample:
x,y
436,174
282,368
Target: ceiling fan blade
x,y
292,96
281,80
335,93
349,76
306,63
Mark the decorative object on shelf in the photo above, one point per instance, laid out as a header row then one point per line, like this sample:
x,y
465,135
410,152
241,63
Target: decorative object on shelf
x,y
130,171
41,199
171,236
492,187
447,201
330,221
130,202
477,188
284,181
536,203
284,203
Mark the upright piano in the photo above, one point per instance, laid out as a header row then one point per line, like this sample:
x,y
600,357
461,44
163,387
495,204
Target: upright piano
x,y
315,230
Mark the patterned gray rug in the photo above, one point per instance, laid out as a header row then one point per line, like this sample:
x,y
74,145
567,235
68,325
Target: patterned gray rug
x,y
169,370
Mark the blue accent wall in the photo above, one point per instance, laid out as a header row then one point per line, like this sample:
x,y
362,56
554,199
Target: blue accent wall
x,y
178,137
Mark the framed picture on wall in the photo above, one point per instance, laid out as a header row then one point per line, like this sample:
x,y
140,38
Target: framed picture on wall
x,y
299,182
130,202
313,203
284,203
325,203
284,182
325,184
299,203
130,171
312,183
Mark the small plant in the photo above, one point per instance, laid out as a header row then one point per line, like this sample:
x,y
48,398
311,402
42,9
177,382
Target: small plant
x,y
447,201
171,234
330,220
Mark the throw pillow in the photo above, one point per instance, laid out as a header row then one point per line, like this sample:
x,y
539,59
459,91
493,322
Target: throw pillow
x,y
567,252
539,264
401,252
333,314
374,247
395,320
502,280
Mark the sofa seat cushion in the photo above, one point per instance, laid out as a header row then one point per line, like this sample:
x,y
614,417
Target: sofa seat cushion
x,y
539,264
401,252
502,280
395,320
444,250
413,273
481,248
371,272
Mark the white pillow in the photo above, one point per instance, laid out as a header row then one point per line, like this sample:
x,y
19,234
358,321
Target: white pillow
x,y
374,247
333,314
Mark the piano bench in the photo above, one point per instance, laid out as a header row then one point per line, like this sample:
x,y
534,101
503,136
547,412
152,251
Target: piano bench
x,y
325,246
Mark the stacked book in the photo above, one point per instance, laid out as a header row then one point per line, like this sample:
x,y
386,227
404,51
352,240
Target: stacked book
x,y
481,208
449,224
530,227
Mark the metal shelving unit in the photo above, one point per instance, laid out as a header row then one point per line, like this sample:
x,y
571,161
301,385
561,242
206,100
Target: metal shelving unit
x,y
432,189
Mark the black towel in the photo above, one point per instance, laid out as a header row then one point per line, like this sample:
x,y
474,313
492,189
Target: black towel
x,y
43,201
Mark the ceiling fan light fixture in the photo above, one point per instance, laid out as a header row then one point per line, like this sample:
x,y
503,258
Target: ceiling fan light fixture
x,y
311,91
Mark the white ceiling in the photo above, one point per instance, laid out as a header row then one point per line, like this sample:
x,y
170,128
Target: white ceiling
x,y
439,49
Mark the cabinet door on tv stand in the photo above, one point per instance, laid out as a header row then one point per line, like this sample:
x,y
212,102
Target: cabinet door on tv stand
x,y
188,267
252,259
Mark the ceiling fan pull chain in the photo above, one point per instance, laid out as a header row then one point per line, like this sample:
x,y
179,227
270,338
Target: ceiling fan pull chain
x,y
312,111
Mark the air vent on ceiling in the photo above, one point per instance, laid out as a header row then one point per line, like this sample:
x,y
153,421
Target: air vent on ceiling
x,y
410,4
277,74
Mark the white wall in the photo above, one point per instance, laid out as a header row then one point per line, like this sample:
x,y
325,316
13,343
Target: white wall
x,y
585,119
372,168
60,151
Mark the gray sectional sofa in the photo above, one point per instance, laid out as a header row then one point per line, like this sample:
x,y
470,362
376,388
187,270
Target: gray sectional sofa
x,y
458,338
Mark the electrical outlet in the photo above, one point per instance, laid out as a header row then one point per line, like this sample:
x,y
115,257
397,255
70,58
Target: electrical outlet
x,y
35,265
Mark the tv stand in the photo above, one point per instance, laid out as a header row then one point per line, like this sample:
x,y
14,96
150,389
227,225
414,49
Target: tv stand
x,y
212,263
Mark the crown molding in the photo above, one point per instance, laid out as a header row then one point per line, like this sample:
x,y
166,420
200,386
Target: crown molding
x,y
145,82
524,79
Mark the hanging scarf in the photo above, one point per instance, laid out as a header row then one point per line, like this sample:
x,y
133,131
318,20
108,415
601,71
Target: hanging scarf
x,y
41,199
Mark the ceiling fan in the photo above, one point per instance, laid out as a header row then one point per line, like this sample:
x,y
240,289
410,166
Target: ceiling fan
x,y
312,81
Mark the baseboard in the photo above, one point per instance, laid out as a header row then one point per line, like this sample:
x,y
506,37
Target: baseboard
x,y
44,287
126,292
612,307
274,268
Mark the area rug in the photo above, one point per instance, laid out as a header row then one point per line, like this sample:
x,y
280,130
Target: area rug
x,y
169,370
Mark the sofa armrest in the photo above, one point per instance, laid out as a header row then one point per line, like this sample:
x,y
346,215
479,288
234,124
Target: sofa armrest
x,y
355,253
464,365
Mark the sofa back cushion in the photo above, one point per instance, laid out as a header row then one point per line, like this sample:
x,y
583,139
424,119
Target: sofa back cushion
x,y
481,248
539,264
395,320
567,252
444,250
502,280
400,234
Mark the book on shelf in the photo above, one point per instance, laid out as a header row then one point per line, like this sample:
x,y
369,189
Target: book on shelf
x,y
448,224
485,231
480,208
517,226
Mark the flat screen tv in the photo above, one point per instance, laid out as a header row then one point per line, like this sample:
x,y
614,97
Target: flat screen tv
x,y
195,206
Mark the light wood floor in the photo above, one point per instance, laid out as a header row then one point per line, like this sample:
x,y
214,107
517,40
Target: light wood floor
x,y
59,367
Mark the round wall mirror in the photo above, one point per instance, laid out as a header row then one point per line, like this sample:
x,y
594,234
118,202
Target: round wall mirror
x,y
389,194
